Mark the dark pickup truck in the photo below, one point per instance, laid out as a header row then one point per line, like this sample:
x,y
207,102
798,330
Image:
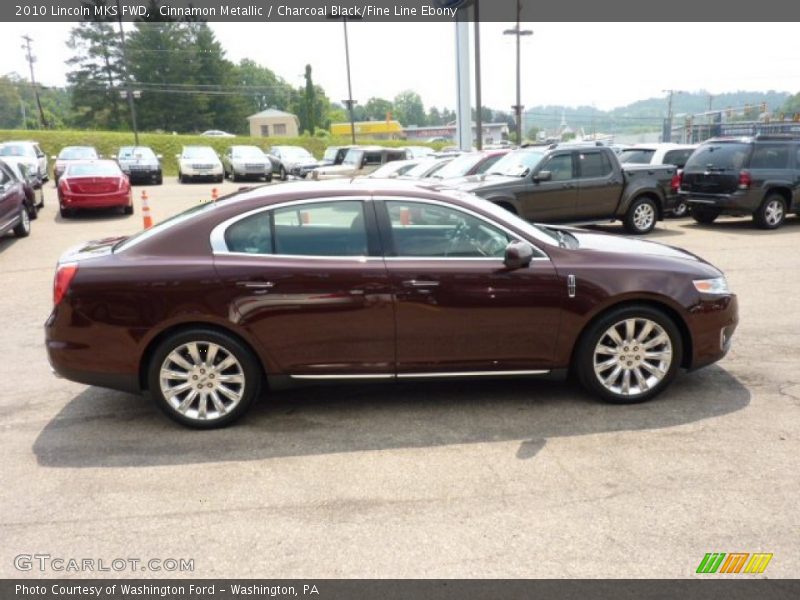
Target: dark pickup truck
x,y
578,184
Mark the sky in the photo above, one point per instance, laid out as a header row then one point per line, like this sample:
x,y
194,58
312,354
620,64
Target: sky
x,y
573,64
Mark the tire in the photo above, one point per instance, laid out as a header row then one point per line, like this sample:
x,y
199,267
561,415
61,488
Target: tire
x,y
65,213
235,401
23,228
594,359
283,175
509,207
772,212
182,178
705,216
219,179
33,212
268,177
234,176
159,178
681,210
641,216
127,210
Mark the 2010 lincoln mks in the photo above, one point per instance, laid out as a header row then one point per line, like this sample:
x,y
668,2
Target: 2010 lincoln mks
x,y
375,281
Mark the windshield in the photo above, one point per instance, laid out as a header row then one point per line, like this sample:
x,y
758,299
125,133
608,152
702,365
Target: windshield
x,y
16,150
397,167
460,166
248,152
93,170
199,152
353,157
426,168
330,153
130,152
77,153
518,163
636,156
719,157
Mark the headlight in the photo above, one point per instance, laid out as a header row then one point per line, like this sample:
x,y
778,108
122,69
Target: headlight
x,y
716,286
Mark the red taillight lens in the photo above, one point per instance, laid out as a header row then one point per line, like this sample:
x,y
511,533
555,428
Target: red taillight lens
x,y
63,278
677,179
745,180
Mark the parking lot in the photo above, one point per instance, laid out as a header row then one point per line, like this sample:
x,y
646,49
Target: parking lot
x,y
454,479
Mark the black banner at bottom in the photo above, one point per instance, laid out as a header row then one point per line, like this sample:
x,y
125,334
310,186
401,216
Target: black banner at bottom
x,y
399,589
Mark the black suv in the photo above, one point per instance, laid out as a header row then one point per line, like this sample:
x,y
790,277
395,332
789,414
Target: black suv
x,y
758,176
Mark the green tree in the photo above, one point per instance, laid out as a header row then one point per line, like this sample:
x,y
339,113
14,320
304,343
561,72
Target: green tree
x,y
310,102
377,108
10,105
409,109
261,88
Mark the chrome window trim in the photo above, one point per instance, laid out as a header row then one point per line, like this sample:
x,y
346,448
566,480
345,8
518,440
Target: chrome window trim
x,y
217,237
514,236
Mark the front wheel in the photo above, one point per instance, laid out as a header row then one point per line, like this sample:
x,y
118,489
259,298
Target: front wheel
x,y
772,212
705,216
283,174
23,229
629,355
641,216
203,378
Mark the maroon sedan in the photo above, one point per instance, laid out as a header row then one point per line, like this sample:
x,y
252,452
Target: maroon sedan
x,y
93,184
375,280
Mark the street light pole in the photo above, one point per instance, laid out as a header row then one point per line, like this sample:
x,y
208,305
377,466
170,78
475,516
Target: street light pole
x,y
519,33
350,102
131,105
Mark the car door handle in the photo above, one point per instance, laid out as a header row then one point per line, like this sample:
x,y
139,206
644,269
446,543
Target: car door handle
x,y
420,283
256,285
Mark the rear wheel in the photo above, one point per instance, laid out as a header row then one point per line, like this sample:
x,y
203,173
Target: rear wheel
x,y
641,216
772,212
159,178
65,213
704,215
23,229
128,210
629,355
203,378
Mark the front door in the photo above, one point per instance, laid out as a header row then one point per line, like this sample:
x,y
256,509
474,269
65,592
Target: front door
x,y
552,200
458,309
308,282
599,186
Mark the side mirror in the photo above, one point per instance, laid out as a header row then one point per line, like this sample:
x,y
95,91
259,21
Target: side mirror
x,y
518,255
542,176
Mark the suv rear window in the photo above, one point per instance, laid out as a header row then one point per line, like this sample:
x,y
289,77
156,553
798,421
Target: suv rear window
x,y
719,157
636,156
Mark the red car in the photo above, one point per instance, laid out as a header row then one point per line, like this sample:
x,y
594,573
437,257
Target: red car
x,y
93,184
376,280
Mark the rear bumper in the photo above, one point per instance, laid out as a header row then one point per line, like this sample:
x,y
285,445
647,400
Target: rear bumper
x,y
743,202
95,200
143,175
712,323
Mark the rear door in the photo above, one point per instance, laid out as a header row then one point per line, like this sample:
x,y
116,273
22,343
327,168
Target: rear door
x,y
308,281
599,186
714,168
554,200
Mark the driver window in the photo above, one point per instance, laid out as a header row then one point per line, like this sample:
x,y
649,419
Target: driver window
x,y
429,230
560,167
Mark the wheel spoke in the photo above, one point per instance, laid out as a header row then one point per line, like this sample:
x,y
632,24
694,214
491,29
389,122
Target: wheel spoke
x,y
218,404
603,349
187,402
613,376
663,355
227,363
614,335
211,355
226,391
648,327
202,406
194,353
179,360
626,381
178,389
657,372
630,329
170,374
605,365
640,380
658,340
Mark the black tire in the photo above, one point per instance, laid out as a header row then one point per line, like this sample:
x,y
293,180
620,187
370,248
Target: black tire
x,y
283,175
268,178
182,178
23,228
772,212
705,216
584,356
65,213
128,210
641,216
159,178
249,367
507,206
33,212
219,179
234,176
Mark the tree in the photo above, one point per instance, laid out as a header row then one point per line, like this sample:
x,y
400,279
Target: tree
x,y
96,72
310,102
434,117
262,89
377,109
409,109
10,105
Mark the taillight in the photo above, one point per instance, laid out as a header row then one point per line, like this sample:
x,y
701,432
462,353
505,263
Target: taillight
x,y
745,180
677,179
62,280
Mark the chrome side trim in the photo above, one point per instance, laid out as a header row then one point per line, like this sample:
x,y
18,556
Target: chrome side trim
x,y
342,377
472,374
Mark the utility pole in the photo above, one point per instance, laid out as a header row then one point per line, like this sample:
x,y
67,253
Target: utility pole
x,y
128,89
31,59
668,131
24,116
349,102
519,33
478,116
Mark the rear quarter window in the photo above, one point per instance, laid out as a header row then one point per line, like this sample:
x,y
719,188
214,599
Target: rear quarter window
x,y
770,156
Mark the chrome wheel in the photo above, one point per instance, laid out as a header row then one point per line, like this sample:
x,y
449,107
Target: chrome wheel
x,y
773,213
202,381
644,216
632,357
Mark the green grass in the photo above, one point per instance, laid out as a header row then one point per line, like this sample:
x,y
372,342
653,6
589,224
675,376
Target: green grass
x,y
168,145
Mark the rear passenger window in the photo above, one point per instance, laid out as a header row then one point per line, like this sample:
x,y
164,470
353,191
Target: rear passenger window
x,y
594,164
770,157
251,235
372,158
324,229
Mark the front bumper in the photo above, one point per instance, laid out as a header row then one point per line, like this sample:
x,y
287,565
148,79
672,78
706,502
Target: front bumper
x,y
712,322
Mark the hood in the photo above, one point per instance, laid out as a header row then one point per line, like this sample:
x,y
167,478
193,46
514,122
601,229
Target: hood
x,y
604,242
147,162
336,170
480,183
91,249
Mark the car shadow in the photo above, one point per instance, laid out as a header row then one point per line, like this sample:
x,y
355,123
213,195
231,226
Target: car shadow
x,y
103,428
745,226
661,231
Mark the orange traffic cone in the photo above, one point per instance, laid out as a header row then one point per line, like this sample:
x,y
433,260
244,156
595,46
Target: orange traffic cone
x,y
148,220
214,194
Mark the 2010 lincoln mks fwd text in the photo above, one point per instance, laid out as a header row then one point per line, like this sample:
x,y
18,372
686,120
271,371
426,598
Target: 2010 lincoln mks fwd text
x,y
375,281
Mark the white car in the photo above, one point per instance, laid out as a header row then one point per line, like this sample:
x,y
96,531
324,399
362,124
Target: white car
x,y
660,154
240,162
28,153
217,133
199,162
